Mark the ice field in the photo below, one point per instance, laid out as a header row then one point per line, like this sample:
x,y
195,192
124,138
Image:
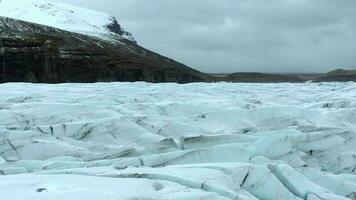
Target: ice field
x,y
201,141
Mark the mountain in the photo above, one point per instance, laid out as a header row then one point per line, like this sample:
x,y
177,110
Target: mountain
x,y
55,43
65,17
338,75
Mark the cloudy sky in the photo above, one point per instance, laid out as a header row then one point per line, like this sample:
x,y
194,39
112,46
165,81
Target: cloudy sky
x,y
242,35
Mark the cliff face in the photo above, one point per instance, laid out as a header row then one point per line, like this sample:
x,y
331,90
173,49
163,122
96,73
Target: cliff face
x,y
36,53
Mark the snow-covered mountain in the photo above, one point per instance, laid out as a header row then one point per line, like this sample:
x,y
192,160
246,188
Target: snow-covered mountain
x,y
66,17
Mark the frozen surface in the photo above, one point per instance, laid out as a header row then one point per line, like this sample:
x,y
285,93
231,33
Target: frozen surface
x,y
62,16
146,141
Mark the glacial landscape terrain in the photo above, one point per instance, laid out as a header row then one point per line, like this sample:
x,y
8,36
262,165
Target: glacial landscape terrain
x,y
169,141
138,137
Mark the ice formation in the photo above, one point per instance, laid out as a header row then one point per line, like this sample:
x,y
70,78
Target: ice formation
x,y
168,141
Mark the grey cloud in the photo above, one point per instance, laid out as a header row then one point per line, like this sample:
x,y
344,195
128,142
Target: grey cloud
x,y
242,35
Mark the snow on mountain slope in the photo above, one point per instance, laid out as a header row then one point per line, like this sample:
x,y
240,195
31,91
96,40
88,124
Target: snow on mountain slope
x,y
204,141
65,17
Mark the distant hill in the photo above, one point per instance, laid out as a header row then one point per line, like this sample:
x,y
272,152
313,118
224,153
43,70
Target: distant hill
x,y
248,77
341,72
338,75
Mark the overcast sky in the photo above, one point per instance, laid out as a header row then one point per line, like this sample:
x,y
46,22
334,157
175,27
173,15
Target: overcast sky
x,y
242,35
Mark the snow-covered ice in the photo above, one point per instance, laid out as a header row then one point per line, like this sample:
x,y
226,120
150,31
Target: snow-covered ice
x,y
168,141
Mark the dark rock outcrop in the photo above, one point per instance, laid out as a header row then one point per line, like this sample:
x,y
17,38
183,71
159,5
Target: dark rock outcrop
x,y
115,28
36,53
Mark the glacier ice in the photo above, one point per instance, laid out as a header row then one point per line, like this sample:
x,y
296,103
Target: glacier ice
x,y
170,141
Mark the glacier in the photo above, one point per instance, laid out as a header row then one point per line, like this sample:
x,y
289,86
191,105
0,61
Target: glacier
x,y
143,141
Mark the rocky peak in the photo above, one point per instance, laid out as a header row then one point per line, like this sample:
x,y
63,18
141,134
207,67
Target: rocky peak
x,y
116,28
